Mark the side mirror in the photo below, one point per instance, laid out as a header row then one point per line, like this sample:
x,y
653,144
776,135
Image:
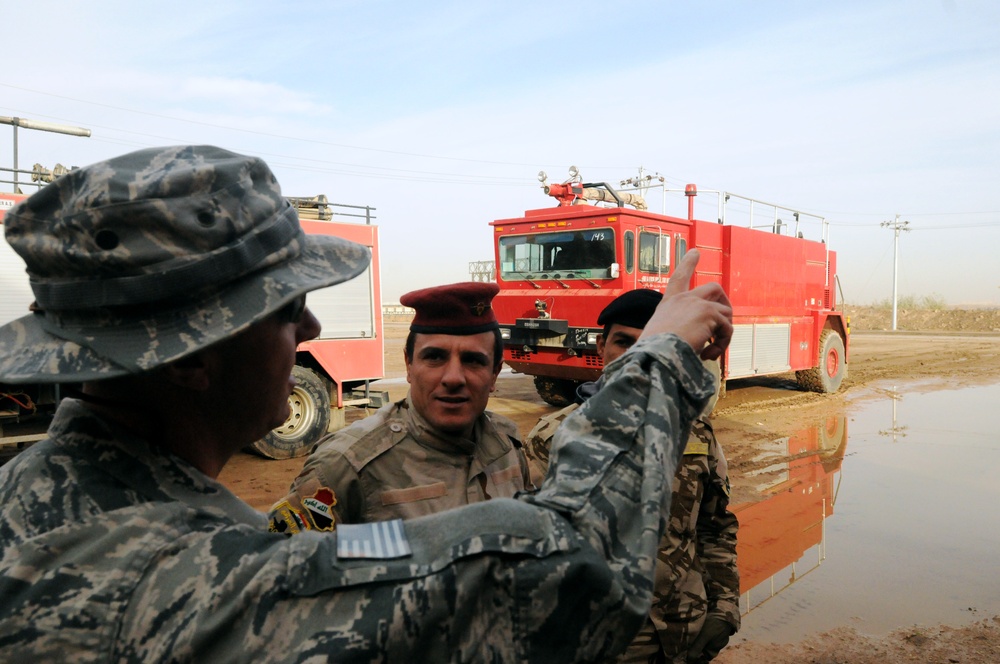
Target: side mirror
x,y
615,270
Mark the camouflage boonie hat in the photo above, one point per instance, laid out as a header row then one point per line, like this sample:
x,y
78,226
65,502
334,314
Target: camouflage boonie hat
x,y
145,258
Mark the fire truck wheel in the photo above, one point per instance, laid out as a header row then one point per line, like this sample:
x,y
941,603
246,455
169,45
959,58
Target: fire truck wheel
x,y
832,367
308,419
556,391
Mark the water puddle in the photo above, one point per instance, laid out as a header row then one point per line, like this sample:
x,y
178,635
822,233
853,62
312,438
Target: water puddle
x,y
898,527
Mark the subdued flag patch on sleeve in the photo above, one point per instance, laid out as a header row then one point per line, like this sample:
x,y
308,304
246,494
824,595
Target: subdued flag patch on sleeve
x,y
378,540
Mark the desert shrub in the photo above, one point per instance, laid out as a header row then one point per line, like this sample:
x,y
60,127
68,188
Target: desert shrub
x,y
931,302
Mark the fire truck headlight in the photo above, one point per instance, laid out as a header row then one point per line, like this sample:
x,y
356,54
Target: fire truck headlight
x,y
505,333
592,338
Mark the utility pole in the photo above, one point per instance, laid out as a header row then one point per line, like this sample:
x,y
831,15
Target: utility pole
x,y
895,226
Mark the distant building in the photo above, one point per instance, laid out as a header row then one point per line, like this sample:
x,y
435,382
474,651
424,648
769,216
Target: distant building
x,y
396,312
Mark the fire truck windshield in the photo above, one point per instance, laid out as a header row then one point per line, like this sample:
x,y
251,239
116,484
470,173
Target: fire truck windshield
x,y
586,254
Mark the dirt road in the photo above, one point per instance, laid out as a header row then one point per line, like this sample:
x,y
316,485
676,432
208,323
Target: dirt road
x,y
753,412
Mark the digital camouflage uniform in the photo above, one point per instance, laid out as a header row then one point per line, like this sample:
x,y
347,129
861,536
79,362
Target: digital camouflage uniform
x,y
696,573
394,465
536,446
113,550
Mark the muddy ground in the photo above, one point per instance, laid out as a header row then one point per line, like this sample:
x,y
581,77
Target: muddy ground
x,y
938,349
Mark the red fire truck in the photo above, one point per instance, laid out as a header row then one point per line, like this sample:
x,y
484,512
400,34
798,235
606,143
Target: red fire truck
x,y
558,267
333,372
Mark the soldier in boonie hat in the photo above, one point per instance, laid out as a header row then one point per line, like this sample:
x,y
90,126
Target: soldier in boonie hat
x,y
373,470
171,283
142,259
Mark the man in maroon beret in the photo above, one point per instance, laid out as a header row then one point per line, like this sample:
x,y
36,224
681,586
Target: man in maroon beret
x,y
436,449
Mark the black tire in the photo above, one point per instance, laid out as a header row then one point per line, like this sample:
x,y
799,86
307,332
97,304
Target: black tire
x,y
832,365
308,419
556,391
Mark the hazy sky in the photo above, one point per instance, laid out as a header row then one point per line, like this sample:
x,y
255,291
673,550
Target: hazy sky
x,y
440,114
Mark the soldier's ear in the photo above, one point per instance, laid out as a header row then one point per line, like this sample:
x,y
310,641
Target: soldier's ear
x,y
600,344
190,372
408,363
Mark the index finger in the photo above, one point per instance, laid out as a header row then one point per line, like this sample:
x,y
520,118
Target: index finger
x,y
680,282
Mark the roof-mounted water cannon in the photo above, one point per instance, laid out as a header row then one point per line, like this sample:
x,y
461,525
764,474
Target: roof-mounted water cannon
x,y
568,191
574,192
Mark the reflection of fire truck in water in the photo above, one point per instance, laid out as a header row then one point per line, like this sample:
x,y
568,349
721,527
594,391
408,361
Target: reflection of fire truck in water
x,y
332,372
557,268
779,531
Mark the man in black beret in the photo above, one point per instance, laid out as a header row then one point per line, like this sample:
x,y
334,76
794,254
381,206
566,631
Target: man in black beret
x,y
697,586
436,449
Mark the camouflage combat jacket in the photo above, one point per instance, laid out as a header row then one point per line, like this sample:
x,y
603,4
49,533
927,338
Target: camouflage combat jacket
x,y
696,573
394,465
112,550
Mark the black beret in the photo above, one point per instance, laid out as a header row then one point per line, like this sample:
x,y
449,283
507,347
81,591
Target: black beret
x,y
631,309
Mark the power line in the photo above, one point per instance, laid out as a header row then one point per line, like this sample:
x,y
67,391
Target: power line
x,y
389,173
994,224
284,137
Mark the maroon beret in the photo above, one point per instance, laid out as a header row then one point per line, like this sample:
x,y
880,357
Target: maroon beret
x,y
463,308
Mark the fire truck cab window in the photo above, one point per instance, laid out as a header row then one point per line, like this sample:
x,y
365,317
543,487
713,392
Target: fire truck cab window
x,y
654,252
680,248
586,254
